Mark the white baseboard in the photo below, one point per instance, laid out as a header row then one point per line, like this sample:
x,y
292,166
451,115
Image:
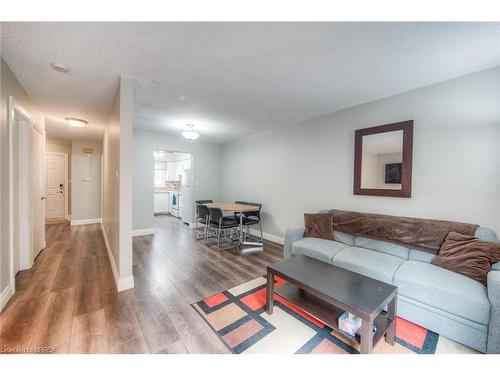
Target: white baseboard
x,y
268,236
142,232
5,296
121,283
125,283
86,221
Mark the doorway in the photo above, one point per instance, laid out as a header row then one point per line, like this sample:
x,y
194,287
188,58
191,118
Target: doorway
x,y
173,184
56,183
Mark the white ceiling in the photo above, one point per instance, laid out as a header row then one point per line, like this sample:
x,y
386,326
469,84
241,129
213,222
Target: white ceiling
x,y
234,79
58,128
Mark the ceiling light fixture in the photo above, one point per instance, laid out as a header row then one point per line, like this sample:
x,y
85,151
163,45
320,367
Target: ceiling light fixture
x,y
159,154
76,122
189,133
60,67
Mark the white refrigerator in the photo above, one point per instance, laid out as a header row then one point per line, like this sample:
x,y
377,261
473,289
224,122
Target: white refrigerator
x,y
186,201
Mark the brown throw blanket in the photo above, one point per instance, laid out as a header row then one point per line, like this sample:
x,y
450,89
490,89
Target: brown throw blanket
x,y
422,234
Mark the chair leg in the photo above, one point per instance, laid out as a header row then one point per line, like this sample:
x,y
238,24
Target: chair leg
x,y
261,234
218,237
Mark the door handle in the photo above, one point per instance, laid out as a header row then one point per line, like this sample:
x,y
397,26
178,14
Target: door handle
x,y
43,198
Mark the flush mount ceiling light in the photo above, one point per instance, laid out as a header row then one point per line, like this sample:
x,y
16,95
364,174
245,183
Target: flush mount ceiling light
x,y
60,67
189,133
76,122
159,154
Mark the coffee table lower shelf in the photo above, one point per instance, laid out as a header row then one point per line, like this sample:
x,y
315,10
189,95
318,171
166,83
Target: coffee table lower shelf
x,y
328,313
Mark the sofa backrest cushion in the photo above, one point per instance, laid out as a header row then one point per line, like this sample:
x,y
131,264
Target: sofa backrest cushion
x,y
485,234
421,256
423,234
382,246
345,238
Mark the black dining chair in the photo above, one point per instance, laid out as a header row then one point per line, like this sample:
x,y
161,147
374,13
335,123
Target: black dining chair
x,y
202,217
251,218
220,223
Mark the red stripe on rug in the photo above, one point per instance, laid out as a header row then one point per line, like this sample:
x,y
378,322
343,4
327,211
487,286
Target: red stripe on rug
x,y
215,300
410,332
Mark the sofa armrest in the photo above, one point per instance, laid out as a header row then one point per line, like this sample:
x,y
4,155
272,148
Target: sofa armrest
x,y
291,235
494,326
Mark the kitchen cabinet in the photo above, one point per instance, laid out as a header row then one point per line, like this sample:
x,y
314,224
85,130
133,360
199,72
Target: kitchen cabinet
x,y
176,168
161,200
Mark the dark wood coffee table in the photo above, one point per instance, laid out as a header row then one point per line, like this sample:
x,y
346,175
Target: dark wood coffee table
x,y
326,291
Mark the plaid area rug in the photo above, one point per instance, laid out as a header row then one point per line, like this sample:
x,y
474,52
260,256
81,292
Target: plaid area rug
x,y
239,319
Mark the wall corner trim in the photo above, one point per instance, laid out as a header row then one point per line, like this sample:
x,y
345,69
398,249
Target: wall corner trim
x,y
142,232
5,296
121,283
125,283
86,221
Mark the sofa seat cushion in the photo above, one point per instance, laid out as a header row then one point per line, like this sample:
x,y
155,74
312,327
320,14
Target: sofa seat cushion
x,y
317,248
443,289
367,262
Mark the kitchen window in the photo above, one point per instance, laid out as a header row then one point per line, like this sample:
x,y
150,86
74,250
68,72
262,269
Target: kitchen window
x,y
160,173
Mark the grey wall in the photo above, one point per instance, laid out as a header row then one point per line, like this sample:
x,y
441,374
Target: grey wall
x,y
111,156
86,196
9,86
117,182
308,166
206,170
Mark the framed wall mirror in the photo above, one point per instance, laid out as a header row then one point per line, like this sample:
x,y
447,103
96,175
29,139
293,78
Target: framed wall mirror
x,y
383,160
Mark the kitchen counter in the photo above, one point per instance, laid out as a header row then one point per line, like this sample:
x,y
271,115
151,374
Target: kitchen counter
x,y
166,191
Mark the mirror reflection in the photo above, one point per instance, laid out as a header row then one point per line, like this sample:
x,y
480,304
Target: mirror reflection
x,y
381,160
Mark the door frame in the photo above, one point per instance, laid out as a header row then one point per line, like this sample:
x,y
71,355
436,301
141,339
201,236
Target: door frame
x,y
193,184
66,172
14,109
36,127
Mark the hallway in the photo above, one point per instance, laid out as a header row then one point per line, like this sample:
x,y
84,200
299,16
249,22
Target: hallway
x,y
67,303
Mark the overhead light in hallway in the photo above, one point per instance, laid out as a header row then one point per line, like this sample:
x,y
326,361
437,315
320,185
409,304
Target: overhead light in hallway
x,y
159,154
76,122
189,132
60,67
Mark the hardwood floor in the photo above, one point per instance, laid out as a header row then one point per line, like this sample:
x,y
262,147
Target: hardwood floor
x,y
68,300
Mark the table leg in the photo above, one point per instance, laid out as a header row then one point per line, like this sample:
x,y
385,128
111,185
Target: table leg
x,y
366,336
270,293
390,335
241,228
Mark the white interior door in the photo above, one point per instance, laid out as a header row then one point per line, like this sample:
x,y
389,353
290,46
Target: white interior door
x,y
38,219
55,185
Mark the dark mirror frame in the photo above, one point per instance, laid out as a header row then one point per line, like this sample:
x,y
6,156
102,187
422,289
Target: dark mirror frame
x,y
407,128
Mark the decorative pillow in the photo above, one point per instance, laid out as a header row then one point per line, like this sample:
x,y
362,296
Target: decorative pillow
x,y
318,225
468,256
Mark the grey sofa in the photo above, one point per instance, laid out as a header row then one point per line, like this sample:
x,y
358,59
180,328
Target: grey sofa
x,y
443,301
